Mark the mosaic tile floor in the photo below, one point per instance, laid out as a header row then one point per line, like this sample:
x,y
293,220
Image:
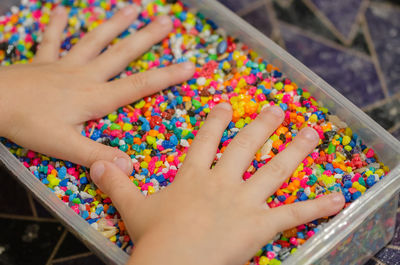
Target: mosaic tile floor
x,y
356,40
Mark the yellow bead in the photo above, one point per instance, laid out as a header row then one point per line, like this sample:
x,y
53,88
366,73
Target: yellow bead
x,y
263,260
150,190
346,140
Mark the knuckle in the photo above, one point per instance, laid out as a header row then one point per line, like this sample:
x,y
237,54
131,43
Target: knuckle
x,y
139,81
294,212
204,135
277,168
94,155
242,140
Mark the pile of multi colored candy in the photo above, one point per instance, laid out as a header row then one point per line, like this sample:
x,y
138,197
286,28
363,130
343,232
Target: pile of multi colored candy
x,y
157,131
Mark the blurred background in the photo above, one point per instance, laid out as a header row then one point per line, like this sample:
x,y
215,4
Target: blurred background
x,y
353,44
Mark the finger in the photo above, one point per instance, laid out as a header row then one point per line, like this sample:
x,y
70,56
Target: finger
x,y
49,48
85,151
116,184
127,90
299,213
95,41
240,152
204,147
269,178
115,59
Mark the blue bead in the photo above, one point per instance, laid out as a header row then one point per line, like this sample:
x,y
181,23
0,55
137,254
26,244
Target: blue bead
x,y
85,214
348,184
83,180
329,167
222,46
370,181
283,106
282,198
64,182
356,195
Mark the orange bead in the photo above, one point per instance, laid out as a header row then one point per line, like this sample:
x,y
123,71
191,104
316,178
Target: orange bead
x,y
290,199
276,144
170,158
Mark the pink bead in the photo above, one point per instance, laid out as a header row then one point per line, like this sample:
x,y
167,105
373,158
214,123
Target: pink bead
x,y
293,241
310,233
370,153
246,175
261,97
270,255
75,208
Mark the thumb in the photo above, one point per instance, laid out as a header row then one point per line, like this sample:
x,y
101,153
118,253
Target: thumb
x,y
112,181
87,151
67,144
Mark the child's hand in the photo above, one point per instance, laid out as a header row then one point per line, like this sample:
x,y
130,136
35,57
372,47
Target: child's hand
x,y
43,105
211,216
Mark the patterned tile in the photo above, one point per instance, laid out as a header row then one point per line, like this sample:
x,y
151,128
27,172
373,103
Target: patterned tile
x,y
88,260
384,26
27,242
352,75
396,134
359,43
396,238
389,256
236,5
300,15
41,210
70,246
371,262
388,114
341,14
259,18
13,199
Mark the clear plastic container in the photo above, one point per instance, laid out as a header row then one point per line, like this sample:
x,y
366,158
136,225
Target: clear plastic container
x,y
352,237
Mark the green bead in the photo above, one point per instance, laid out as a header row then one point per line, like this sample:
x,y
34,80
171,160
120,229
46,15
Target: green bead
x,y
179,99
331,149
190,135
115,142
361,181
261,67
192,120
115,126
278,86
196,103
213,57
68,192
112,117
76,201
150,140
124,147
129,140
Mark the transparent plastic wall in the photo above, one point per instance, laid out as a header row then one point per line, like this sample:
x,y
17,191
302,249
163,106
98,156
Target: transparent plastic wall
x,y
352,237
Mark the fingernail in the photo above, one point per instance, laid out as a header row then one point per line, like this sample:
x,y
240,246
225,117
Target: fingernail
x,y
337,197
277,111
163,20
187,65
309,133
127,11
96,171
122,163
266,106
58,9
224,105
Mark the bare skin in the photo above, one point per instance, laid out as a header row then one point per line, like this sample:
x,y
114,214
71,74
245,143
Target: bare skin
x,y
206,216
45,103
211,216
